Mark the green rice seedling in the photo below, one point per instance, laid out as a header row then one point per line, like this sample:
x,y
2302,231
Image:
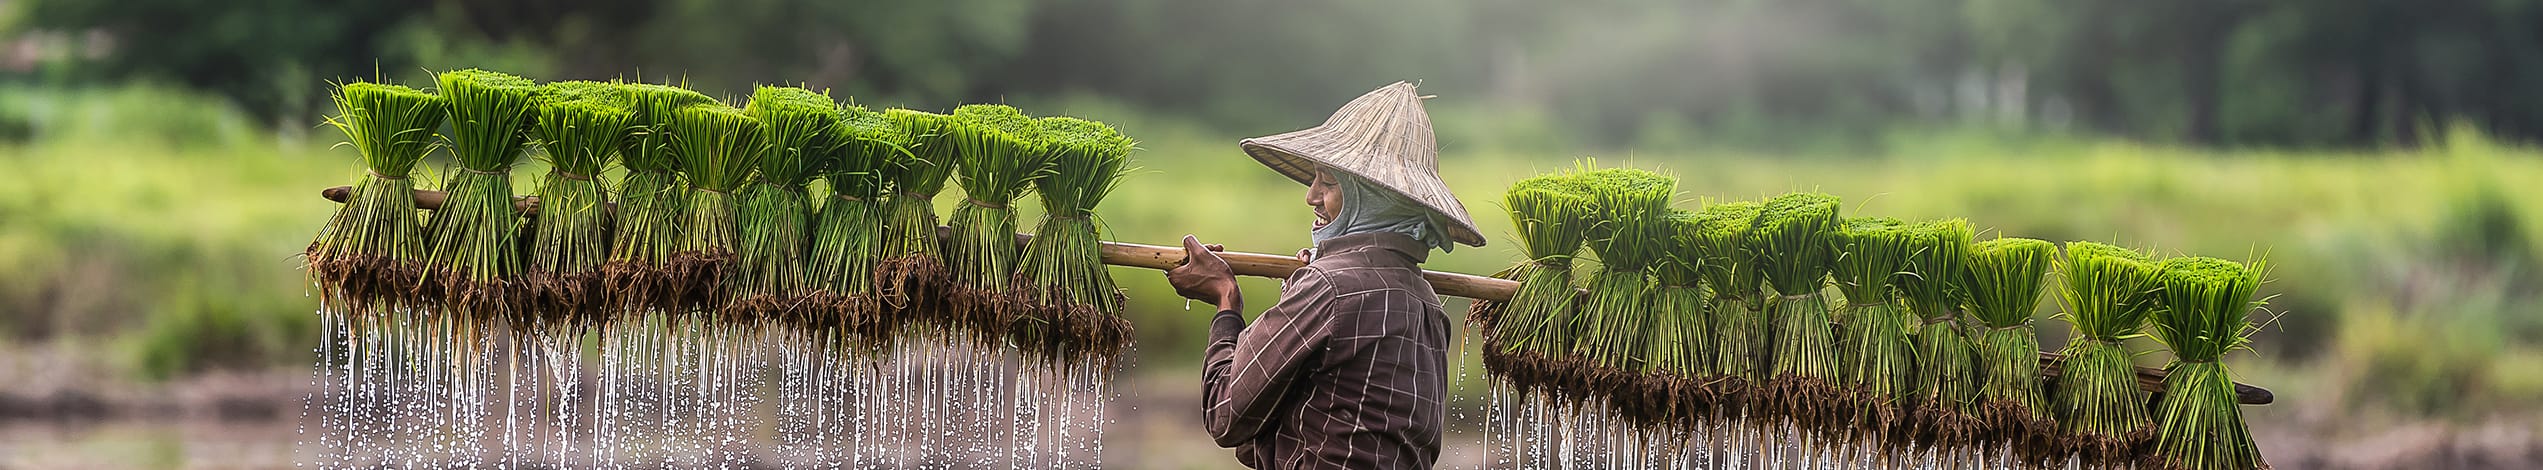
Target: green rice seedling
x,y
370,257
1075,315
849,233
775,221
1945,381
2005,278
1530,332
1878,352
1612,326
718,147
473,257
2198,423
581,128
1793,241
911,275
2108,292
1730,273
651,200
1681,343
998,153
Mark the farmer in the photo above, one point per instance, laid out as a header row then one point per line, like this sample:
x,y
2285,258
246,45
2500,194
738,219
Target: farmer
x,y
1349,369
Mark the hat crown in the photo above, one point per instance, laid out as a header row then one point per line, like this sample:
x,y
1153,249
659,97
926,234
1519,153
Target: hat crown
x,y
1385,137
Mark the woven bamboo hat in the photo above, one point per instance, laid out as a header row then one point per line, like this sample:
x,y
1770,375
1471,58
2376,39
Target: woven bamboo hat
x,y
1383,137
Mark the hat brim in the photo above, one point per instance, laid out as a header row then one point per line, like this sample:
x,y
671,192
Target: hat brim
x,y
1273,153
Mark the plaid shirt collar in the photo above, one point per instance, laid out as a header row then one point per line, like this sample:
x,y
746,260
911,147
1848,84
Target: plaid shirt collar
x,y
1412,250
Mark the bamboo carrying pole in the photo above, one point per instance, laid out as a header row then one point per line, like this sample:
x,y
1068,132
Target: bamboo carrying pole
x,y
1278,267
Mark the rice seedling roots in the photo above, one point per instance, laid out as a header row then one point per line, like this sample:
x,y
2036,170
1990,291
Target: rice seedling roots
x,y
364,284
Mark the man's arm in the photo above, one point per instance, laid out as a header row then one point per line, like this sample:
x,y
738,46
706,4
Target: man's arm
x,y
1248,375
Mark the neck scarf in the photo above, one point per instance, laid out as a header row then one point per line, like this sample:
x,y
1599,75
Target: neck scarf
x,y
1366,207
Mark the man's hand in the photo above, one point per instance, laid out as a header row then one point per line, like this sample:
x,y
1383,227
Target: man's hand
x,y
1205,277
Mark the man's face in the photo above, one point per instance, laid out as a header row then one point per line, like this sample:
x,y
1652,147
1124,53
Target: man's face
x,y
1325,195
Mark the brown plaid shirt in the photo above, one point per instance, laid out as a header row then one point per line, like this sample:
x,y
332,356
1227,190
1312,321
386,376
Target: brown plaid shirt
x,y
1349,370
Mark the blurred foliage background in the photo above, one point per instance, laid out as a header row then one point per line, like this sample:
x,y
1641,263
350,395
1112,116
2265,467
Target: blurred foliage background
x,y
162,155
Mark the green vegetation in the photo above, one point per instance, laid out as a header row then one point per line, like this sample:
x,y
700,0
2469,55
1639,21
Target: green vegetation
x,y
998,153
473,260
2005,279
775,207
718,146
2198,424
1552,217
1876,349
1075,317
1946,380
912,272
581,128
1792,245
849,232
2108,292
370,256
652,204
1738,325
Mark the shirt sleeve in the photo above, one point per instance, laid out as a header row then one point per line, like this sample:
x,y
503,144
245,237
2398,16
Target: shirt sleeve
x,y
1250,368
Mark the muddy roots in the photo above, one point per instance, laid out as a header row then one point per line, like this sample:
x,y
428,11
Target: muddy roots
x,y
366,285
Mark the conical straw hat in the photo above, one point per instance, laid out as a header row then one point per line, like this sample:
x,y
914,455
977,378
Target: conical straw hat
x,y
1383,137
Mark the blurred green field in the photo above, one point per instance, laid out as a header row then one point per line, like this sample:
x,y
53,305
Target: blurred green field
x,y
162,233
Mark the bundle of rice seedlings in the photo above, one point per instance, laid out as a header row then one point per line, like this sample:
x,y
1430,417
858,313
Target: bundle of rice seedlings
x,y
1680,358
651,200
2199,425
2005,278
1792,240
998,152
473,258
2108,291
717,147
775,209
1731,273
1075,315
1609,338
1877,349
369,258
910,276
1945,382
849,233
581,128
1527,334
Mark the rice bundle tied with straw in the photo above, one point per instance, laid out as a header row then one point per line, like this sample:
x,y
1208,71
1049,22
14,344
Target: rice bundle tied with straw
x,y
2108,291
775,210
2005,279
717,147
474,259
1878,352
1527,333
369,258
849,233
1792,238
652,204
1609,333
910,276
1945,382
1730,273
1679,361
1074,319
581,128
2200,426
998,152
